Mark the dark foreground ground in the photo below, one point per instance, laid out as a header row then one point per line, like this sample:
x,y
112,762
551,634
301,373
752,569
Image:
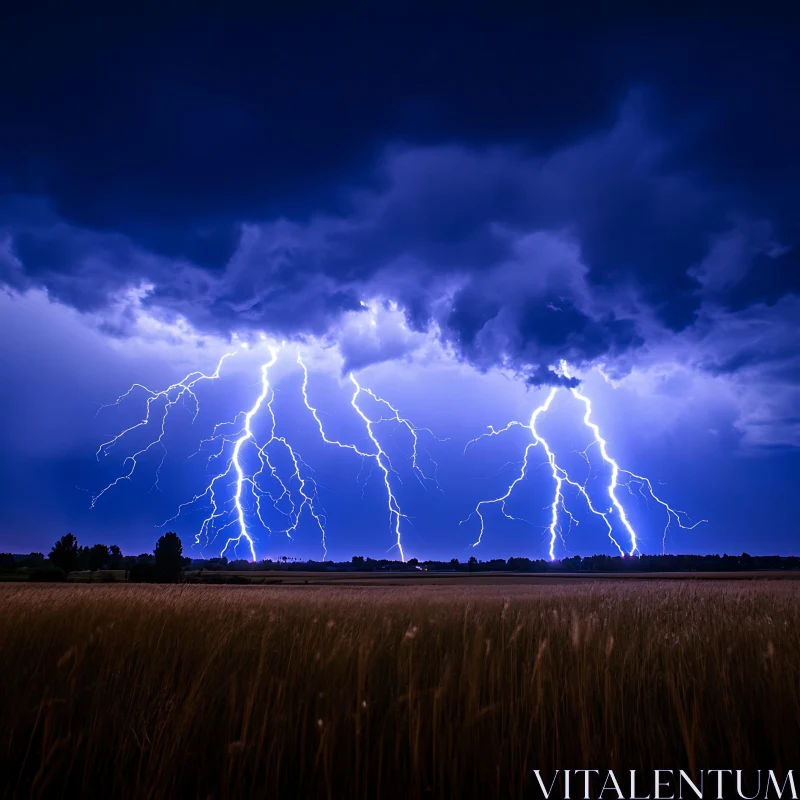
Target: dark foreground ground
x,y
432,578
293,577
433,690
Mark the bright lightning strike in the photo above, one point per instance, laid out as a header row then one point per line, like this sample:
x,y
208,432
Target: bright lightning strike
x,y
238,494
672,513
377,453
296,492
385,466
249,492
246,435
561,476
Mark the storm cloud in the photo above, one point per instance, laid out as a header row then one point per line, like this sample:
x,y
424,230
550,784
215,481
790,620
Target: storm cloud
x,y
540,229
517,260
451,209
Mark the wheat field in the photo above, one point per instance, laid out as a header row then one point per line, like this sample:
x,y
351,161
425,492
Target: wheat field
x,y
435,691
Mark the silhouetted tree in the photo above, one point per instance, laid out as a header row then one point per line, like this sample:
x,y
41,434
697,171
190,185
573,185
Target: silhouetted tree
x,y
65,553
169,556
473,562
98,557
115,557
128,562
7,562
83,558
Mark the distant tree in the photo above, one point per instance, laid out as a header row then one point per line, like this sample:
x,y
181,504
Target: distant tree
x,y
98,557
473,562
65,553
83,558
128,561
115,557
169,556
572,564
32,560
453,562
7,562
413,562
358,562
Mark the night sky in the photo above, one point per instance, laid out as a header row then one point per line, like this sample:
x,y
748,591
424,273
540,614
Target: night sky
x,y
446,207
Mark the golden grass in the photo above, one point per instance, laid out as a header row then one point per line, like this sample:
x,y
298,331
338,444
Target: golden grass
x,y
215,691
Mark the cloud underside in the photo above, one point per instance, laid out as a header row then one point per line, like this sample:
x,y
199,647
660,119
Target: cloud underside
x,y
602,252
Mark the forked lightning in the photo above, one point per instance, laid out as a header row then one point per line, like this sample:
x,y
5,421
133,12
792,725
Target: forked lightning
x,y
235,494
614,511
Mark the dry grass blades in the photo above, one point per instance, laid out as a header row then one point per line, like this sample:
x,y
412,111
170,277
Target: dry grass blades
x,y
192,691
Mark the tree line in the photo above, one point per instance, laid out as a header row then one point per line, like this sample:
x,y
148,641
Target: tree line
x,y
165,564
596,563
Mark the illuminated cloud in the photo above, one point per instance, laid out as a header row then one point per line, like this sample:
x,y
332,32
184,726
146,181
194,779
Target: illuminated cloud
x,y
448,225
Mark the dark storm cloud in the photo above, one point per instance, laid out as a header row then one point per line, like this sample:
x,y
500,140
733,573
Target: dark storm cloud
x,y
517,259
543,376
614,192
546,201
160,127
171,128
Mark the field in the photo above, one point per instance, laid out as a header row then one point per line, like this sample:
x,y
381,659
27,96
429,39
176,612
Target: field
x,y
389,691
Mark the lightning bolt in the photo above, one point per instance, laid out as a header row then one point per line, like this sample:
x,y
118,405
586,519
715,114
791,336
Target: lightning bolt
x,y
238,496
171,395
385,466
377,454
235,436
672,513
310,496
249,484
419,473
235,494
246,435
561,476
